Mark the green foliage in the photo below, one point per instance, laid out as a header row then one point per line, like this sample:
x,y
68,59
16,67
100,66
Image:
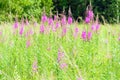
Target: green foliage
x,y
109,9
97,59
23,8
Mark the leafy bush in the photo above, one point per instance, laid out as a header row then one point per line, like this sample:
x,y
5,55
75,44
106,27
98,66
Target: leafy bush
x,y
109,9
23,8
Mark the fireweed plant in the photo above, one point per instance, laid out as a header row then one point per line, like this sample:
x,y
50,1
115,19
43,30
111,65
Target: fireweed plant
x,y
59,49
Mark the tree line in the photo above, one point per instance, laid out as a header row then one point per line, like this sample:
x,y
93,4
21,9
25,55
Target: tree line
x,y
107,9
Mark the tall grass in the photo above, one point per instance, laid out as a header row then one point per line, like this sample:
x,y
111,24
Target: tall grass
x,y
97,59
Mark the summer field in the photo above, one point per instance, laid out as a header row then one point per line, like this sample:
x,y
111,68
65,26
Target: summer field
x,y
37,52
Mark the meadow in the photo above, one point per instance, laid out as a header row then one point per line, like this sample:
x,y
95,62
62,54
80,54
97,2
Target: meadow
x,y
59,50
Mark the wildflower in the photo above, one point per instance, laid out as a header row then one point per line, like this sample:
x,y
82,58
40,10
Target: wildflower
x,y
93,27
21,30
44,18
87,20
57,25
84,35
89,36
64,31
42,28
55,17
76,32
0,32
53,28
63,21
35,24
27,22
34,66
28,43
90,14
63,65
69,20
97,27
30,32
16,24
60,55
50,21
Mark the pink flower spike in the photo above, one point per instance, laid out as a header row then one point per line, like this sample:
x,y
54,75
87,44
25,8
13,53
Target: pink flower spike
x,y
35,24
44,18
57,25
21,31
42,28
16,24
93,27
0,32
89,35
50,21
27,22
69,20
60,55
35,66
63,65
87,20
63,21
64,31
84,35
28,43
90,14
97,27
76,32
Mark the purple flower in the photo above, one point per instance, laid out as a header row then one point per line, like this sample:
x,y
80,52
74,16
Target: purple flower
x,y
55,17
35,24
76,32
27,22
63,21
60,55
35,66
89,35
57,25
16,24
28,43
64,31
90,14
93,27
84,35
87,20
63,65
0,32
44,18
21,30
50,21
97,27
42,28
69,20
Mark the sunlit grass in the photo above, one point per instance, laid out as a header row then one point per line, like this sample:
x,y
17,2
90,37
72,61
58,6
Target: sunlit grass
x,y
97,59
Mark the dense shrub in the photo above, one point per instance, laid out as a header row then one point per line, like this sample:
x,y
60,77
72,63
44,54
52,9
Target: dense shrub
x,y
109,9
9,9
23,8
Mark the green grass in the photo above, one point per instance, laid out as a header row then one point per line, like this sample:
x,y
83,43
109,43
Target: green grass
x,y
97,59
